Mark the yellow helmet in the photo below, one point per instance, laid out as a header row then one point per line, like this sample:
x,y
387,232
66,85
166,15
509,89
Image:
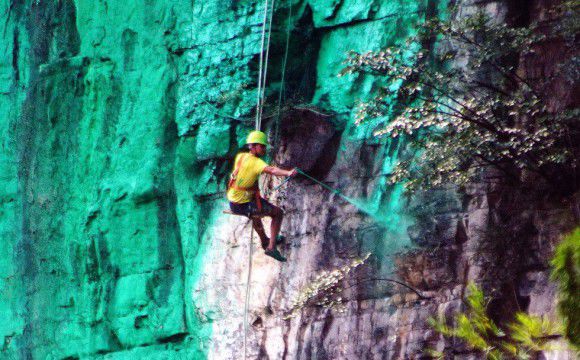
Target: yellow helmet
x,y
257,137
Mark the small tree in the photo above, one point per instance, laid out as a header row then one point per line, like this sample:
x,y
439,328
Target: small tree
x,y
455,93
522,339
566,271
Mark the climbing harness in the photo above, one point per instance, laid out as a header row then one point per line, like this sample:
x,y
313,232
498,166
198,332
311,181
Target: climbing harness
x,y
234,174
254,188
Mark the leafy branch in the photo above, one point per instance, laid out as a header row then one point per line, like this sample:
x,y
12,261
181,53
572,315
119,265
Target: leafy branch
x,y
566,271
328,288
462,101
521,339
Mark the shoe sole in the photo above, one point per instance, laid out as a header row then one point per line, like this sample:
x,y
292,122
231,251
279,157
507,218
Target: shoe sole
x,y
273,256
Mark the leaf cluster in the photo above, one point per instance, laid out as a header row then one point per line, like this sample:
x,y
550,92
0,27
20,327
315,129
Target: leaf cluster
x,y
522,339
566,272
455,93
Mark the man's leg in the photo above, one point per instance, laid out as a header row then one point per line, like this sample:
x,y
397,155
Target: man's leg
x,y
259,227
267,209
249,210
277,215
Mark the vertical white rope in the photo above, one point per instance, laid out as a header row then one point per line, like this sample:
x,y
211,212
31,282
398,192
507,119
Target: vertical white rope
x,y
259,95
271,14
248,288
259,103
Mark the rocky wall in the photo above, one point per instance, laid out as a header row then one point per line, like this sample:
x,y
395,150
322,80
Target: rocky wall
x,y
121,122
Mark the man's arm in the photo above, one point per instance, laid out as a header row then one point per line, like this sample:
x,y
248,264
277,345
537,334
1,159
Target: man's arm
x,y
276,171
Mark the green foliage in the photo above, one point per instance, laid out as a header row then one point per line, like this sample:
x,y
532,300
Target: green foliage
x,y
569,26
524,337
532,332
566,271
455,92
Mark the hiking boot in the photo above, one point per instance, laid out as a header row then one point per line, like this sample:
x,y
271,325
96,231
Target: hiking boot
x,y
280,239
275,254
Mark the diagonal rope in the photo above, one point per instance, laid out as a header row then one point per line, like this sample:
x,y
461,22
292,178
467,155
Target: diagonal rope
x,y
331,189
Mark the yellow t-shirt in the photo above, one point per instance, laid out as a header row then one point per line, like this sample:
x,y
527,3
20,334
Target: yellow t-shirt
x,y
250,169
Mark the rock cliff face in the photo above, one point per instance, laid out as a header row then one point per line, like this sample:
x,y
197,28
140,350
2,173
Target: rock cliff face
x,y
119,125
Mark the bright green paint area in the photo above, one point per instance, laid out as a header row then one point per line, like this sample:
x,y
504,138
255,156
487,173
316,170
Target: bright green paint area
x,y
121,118
397,22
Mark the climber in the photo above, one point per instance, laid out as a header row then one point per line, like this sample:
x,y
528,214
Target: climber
x,y
244,193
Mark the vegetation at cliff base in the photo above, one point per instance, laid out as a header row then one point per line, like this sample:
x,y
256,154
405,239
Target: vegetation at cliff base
x,y
521,339
566,272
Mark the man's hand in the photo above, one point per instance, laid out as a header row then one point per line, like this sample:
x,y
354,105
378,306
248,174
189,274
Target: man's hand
x,y
276,171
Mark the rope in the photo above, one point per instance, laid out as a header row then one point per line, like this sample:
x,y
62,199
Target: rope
x,y
214,110
283,182
283,77
336,191
266,62
248,288
258,100
421,296
269,192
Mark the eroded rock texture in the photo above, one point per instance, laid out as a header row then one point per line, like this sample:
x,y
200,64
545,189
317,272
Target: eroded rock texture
x,y
119,122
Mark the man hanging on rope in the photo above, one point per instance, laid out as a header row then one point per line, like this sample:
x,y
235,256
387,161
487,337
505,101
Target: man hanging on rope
x,y
244,193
